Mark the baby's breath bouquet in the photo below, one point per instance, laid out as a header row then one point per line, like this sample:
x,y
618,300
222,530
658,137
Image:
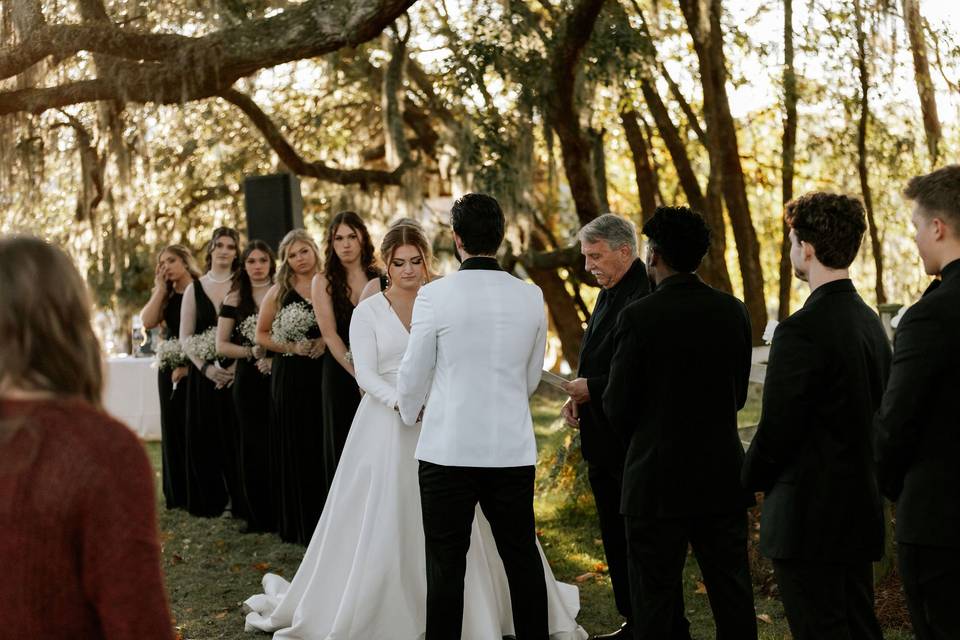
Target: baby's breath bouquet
x,y
170,355
292,323
202,346
248,329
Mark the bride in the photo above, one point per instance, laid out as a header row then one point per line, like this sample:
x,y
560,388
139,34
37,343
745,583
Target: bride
x,y
364,573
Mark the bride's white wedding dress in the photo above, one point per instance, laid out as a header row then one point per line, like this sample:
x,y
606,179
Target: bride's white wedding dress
x,y
363,576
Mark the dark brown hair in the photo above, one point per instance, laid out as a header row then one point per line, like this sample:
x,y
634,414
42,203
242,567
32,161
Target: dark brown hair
x,y
246,303
938,192
833,223
47,342
336,273
218,233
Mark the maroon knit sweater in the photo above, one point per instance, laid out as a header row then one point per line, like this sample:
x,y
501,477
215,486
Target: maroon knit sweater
x,y
79,554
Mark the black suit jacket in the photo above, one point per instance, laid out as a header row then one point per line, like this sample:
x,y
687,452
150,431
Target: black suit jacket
x,y
599,443
677,380
812,453
918,425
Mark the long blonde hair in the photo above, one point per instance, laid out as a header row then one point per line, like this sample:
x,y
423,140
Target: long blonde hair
x,y
285,273
189,262
47,342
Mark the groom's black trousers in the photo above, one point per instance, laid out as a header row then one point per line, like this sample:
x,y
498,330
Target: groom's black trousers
x,y
449,496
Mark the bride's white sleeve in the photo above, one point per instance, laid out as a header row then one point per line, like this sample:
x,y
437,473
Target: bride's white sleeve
x,y
363,347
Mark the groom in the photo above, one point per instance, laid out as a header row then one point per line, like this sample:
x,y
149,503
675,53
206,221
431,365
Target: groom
x,y
476,345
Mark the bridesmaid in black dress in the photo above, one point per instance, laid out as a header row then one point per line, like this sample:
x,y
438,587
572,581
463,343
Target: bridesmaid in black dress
x,y
251,382
349,266
176,270
210,414
297,441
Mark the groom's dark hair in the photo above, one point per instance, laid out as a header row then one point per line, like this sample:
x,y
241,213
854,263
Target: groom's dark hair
x,y
478,220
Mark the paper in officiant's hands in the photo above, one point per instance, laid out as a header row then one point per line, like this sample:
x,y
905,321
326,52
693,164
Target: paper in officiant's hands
x,y
554,380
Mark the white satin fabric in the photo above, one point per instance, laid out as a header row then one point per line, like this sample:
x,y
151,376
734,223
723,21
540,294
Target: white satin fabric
x,y
363,576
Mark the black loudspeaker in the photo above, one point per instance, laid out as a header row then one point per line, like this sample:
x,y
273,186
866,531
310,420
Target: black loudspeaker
x,y
274,207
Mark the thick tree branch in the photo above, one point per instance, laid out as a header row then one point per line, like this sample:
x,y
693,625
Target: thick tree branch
x,y
566,257
63,41
563,111
204,67
289,156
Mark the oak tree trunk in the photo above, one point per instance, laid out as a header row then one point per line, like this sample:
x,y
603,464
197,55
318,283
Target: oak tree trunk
x,y
789,153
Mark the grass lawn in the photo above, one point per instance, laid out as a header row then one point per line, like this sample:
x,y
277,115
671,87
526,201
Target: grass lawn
x,y
211,566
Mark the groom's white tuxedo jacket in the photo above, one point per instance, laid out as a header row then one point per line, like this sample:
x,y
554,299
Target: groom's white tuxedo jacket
x,y
474,357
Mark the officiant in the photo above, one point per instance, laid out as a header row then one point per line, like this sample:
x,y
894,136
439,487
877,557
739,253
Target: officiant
x,y
609,245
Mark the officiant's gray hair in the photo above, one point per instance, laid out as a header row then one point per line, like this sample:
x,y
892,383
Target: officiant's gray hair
x,y
616,230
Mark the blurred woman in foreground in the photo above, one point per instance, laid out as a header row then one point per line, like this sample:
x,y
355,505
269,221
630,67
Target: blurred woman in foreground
x,y
78,534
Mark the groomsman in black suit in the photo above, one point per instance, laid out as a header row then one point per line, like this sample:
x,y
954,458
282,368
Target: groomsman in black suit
x,y
822,522
609,245
678,377
918,439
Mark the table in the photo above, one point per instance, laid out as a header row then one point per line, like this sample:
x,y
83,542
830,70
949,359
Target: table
x,y
131,395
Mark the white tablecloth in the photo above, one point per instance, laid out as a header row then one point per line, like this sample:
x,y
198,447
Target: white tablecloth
x,y
131,395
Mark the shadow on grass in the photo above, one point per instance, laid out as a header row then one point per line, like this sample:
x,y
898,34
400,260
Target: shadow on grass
x,y
211,566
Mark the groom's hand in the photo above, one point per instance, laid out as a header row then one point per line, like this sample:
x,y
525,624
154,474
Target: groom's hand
x,y
570,414
578,390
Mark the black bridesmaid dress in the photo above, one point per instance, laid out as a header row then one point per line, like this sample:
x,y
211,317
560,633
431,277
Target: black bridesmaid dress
x,y
173,417
252,403
298,440
210,427
342,399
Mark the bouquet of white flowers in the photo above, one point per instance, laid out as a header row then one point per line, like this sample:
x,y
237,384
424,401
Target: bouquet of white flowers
x,y
292,323
170,355
248,329
202,346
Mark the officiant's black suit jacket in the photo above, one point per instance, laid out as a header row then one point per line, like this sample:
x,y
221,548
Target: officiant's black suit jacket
x,y
812,453
918,443
677,380
598,442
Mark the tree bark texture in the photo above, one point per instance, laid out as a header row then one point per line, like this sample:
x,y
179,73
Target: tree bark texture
x,y
921,73
789,153
862,168
646,180
703,23
563,112
171,69
560,304
600,169
714,268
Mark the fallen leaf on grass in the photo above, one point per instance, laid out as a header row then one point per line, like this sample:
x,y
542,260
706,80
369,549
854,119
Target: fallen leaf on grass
x,y
584,577
701,588
261,566
600,567
221,615
763,617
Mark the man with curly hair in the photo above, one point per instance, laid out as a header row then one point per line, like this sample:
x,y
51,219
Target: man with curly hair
x,y
822,522
677,379
918,443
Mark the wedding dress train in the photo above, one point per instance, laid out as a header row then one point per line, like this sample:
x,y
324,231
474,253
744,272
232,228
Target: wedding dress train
x,y
363,576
